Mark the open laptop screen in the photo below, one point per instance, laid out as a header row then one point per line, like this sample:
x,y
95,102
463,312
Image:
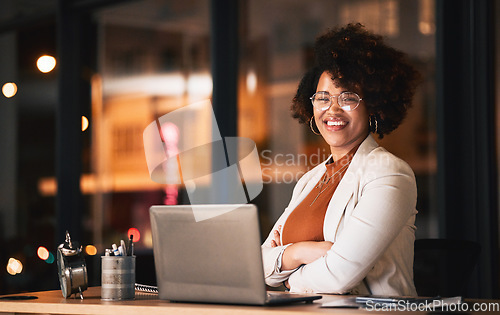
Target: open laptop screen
x,y
216,260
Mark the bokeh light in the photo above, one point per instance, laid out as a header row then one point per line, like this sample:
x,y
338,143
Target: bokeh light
x,y
46,63
85,123
9,89
91,250
42,253
14,266
135,232
251,81
147,238
51,259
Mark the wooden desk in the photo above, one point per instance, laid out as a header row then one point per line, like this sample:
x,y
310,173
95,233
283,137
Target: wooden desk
x,y
52,302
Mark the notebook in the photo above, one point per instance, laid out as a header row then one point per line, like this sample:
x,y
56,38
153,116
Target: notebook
x,y
217,260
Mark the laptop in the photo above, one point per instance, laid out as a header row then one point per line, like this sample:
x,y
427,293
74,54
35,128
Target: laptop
x,y
217,260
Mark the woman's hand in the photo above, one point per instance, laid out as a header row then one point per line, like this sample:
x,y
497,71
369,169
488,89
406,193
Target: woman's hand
x,y
277,240
300,253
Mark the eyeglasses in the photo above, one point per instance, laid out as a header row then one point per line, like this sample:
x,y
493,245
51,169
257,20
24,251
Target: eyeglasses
x,y
348,101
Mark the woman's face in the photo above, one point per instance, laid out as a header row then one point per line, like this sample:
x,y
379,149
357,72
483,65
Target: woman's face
x,y
342,130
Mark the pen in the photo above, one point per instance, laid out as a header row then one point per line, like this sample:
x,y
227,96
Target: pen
x,y
131,244
129,247
124,247
115,250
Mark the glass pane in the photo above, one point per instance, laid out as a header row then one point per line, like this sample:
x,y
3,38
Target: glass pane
x,y
276,52
497,89
27,145
153,59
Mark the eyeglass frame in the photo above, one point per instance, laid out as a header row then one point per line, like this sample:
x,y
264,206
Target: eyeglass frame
x,y
337,97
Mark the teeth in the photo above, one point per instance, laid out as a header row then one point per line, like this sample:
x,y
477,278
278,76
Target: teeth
x,y
335,123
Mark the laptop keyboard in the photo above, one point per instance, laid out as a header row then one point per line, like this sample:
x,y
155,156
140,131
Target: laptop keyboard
x,y
283,298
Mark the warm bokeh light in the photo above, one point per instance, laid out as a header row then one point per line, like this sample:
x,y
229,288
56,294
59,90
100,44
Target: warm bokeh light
x,y
46,63
135,232
147,239
251,81
9,89
91,250
42,253
85,123
426,28
14,266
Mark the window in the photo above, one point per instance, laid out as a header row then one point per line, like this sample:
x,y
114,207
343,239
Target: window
x,y
277,50
152,57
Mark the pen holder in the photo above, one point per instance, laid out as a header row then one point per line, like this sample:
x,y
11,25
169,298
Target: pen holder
x,y
117,277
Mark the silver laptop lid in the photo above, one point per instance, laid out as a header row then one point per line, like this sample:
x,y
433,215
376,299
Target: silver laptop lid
x,y
216,260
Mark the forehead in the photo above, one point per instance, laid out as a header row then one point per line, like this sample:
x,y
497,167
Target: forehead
x,y
328,84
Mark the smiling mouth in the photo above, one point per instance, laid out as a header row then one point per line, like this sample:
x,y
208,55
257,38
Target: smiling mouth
x,y
335,125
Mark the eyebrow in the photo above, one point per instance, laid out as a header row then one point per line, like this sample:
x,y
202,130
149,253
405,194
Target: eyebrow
x,y
334,94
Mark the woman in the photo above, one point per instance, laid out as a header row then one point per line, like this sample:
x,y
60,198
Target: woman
x,y
349,227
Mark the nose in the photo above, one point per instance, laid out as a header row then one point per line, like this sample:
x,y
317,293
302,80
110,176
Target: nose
x,y
335,107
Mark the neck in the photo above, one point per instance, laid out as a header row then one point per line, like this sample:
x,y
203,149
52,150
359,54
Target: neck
x,y
339,152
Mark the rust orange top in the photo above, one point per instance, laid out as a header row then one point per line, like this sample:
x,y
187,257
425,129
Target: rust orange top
x,y
305,223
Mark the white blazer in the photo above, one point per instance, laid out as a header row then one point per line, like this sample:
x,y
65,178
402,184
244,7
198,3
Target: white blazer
x,y
370,220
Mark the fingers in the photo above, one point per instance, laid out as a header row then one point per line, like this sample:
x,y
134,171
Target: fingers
x,y
286,284
276,235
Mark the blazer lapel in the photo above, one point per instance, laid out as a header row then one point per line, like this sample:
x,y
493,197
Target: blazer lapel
x,y
337,206
346,189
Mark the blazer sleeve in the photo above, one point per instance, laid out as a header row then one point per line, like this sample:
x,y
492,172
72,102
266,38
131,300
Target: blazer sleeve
x,y
271,256
386,201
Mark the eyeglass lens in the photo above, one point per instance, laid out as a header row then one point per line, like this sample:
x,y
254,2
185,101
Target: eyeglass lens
x,y
347,100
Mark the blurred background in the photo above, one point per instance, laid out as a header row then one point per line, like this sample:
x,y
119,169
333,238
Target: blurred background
x,y
82,79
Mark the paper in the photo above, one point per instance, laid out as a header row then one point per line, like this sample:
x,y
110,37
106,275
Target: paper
x,y
349,302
